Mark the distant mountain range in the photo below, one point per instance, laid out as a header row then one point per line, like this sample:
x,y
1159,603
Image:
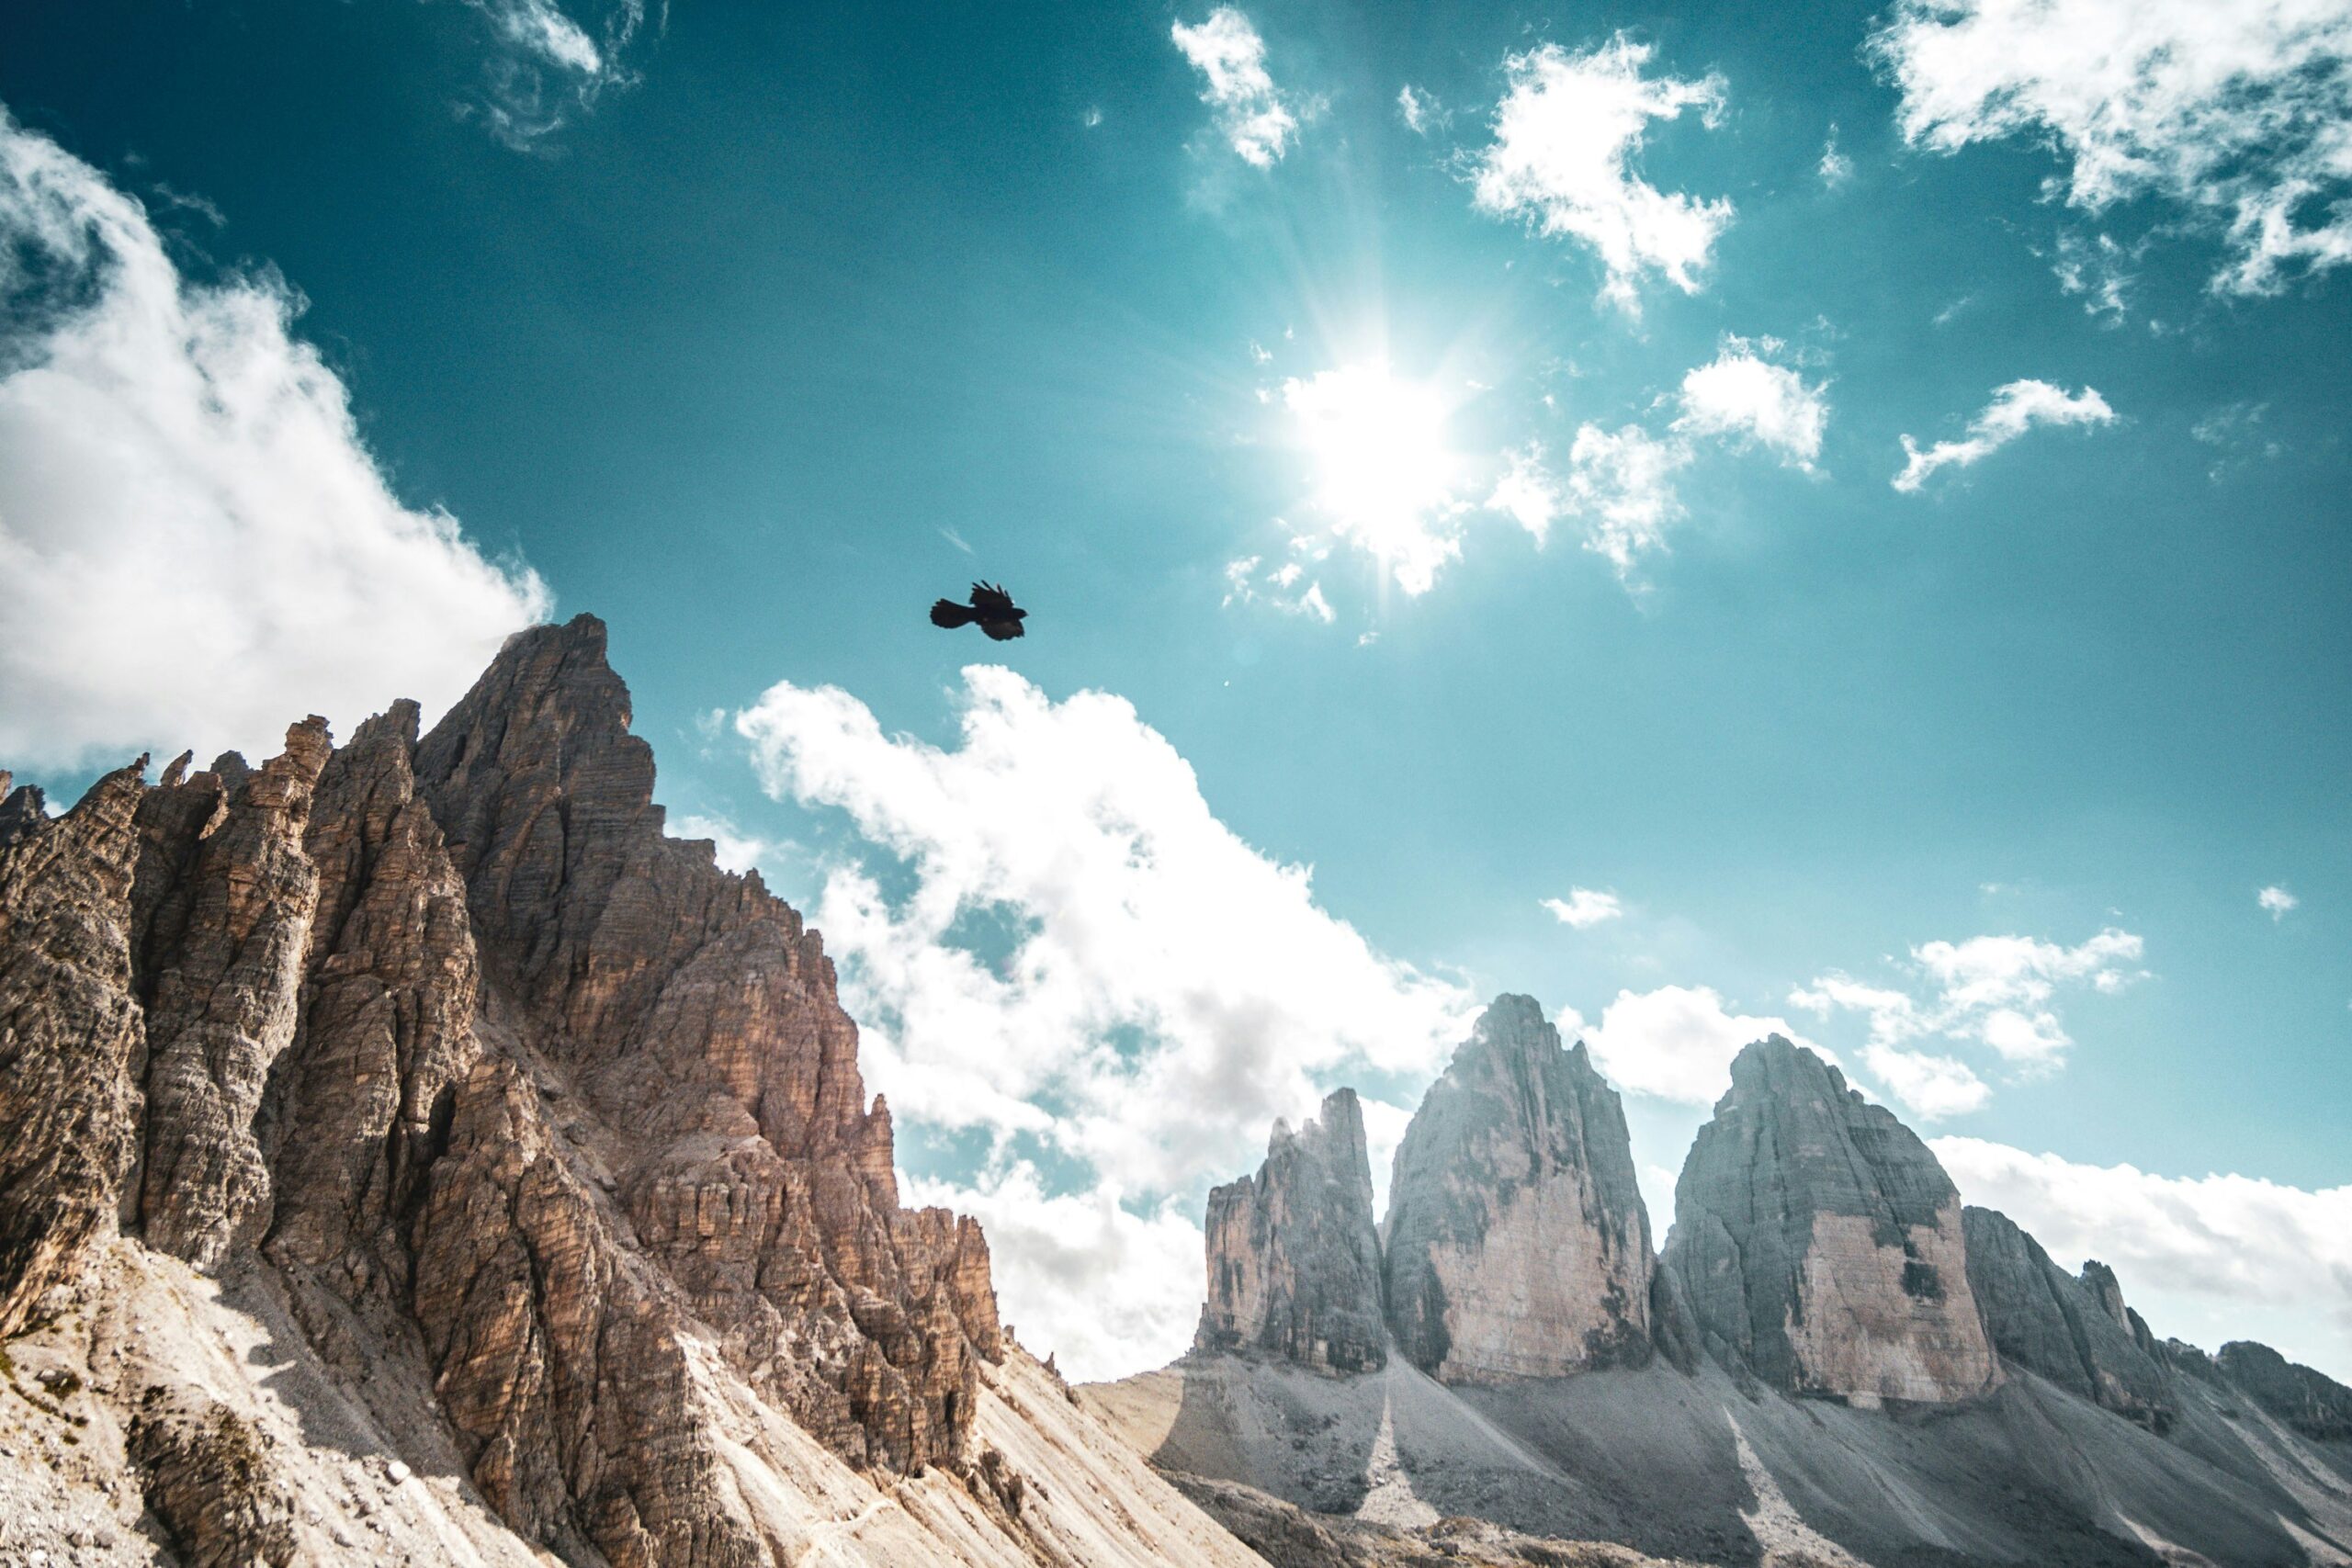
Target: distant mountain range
x,y
410,1155
1832,1361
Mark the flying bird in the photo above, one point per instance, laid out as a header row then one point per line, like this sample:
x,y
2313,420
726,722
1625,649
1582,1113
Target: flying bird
x,y
992,606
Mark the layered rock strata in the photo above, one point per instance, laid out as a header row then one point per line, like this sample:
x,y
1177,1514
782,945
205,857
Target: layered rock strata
x,y
2074,1331
496,1077
1294,1259
1517,1241
1821,1246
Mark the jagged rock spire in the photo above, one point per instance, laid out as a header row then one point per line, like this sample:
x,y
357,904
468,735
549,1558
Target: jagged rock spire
x,y
1820,1245
1518,1245
1293,1260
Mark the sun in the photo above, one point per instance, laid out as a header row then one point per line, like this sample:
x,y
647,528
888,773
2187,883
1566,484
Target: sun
x,y
1385,473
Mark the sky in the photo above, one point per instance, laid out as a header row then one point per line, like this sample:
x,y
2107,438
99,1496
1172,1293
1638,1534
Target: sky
x,y
1829,522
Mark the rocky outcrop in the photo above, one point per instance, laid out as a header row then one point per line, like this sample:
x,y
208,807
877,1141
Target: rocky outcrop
x,y
696,1020
222,982
366,1098
21,809
1820,1245
2309,1401
1518,1245
2074,1331
500,1087
69,1032
1294,1259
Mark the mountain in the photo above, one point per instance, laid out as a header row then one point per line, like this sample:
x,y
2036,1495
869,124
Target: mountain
x,y
1820,1245
1517,1241
1293,1262
408,1153
1843,1365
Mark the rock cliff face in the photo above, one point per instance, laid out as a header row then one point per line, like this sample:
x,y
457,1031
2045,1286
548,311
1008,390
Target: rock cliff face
x,y
549,1134
1293,1260
1820,1245
2076,1332
1518,1245
2311,1402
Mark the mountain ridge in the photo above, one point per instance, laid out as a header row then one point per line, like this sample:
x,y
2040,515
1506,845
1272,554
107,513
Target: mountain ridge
x,y
1844,1364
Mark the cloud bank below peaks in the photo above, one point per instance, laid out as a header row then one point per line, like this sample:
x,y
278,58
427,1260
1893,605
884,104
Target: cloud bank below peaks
x,y
1051,942
195,546
1083,954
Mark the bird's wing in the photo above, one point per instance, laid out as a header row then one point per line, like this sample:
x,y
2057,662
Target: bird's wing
x,y
1002,631
991,602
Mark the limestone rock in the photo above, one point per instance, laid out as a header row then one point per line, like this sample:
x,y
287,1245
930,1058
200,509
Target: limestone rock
x,y
2076,1332
69,1032
1518,1245
221,1005
1294,1259
1820,1243
21,809
2311,1402
700,1020
386,1030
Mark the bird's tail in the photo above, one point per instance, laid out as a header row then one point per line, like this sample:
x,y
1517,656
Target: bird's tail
x,y
947,613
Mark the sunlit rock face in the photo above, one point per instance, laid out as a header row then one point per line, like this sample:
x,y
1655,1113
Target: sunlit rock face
x,y
1518,1245
1293,1260
2074,1331
490,1072
1820,1245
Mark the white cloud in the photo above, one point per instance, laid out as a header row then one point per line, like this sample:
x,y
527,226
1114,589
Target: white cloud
x,y
1566,136
1622,484
1931,1087
1740,395
1527,493
1585,907
735,850
2243,112
544,67
1080,1276
1231,58
1999,992
2276,901
196,546
1245,583
2015,408
1422,112
1835,167
2209,1259
2097,268
1677,1042
1083,954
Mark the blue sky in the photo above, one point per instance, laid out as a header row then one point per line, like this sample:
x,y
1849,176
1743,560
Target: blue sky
x,y
754,328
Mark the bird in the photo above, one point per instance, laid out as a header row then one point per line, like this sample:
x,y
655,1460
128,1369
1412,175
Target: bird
x,y
992,606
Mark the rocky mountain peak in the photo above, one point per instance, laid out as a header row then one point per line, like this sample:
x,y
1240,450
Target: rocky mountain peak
x,y
2076,1331
1518,1245
450,1036
2303,1397
1819,1242
1293,1260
